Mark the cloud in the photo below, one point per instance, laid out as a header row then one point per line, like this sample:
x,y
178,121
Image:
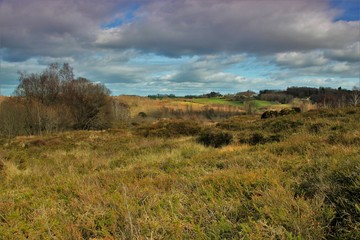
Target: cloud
x,y
350,53
298,59
54,28
180,45
208,69
193,27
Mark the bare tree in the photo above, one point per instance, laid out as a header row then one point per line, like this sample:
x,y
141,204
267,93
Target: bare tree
x,y
54,100
355,97
12,117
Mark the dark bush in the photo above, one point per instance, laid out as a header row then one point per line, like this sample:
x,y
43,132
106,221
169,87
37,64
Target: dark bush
x,y
258,138
269,114
283,112
215,138
287,111
316,127
142,114
296,109
274,138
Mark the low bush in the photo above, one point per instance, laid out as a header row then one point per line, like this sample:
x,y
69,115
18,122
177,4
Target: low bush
x,y
259,138
283,125
142,114
215,138
316,127
337,139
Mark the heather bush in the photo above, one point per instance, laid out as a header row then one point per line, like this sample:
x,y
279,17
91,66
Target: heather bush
x,y
215,138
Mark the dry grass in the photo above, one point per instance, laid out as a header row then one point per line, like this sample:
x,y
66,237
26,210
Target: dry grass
x,y
116,184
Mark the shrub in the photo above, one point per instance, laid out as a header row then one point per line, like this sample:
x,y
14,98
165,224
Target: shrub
x,y
269,114
337,139
215,138
283,112
316,127
296,109
282,125
259,138
142,114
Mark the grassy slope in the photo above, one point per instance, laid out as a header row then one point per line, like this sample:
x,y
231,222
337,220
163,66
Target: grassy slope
x,y
115,184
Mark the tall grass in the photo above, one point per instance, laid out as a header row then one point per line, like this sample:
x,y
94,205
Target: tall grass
x,y
119,184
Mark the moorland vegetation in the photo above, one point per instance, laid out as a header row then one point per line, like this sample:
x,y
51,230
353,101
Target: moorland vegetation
x,y
131,167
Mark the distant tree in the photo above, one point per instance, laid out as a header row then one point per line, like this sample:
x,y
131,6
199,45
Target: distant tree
x,y
213,95
277,97
240,96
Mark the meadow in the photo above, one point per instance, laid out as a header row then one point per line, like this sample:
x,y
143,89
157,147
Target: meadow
x,y
290,177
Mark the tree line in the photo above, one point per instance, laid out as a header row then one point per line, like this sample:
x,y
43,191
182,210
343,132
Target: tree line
x,y
54,100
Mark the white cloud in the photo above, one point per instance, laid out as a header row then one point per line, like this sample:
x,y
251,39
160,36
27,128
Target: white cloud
x,y
298,59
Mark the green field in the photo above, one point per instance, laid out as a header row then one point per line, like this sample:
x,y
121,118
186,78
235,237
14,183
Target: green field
x,y
291,177
217,101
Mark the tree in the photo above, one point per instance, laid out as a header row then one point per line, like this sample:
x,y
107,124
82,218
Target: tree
x,y
355,98
89,103
53,100
12,117
46,86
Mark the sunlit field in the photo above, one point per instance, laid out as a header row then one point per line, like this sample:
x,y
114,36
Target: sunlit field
x,y
290,177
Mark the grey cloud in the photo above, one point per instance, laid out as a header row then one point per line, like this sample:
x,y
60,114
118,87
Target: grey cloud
x,y
350,53
54,28
204,68
300,60
332,69
175,28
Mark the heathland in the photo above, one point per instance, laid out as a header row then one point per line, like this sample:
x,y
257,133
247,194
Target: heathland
x,y
77,163
193,176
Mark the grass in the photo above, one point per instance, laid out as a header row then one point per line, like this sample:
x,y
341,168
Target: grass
x,y
217,101
118,184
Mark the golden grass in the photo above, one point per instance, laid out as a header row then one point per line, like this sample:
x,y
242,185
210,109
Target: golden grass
x,y
116,184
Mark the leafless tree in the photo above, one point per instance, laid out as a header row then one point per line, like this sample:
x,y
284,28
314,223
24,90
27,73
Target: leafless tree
x,y
355,97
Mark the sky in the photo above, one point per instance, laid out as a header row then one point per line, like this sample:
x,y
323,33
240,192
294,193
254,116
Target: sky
x,y
184,47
